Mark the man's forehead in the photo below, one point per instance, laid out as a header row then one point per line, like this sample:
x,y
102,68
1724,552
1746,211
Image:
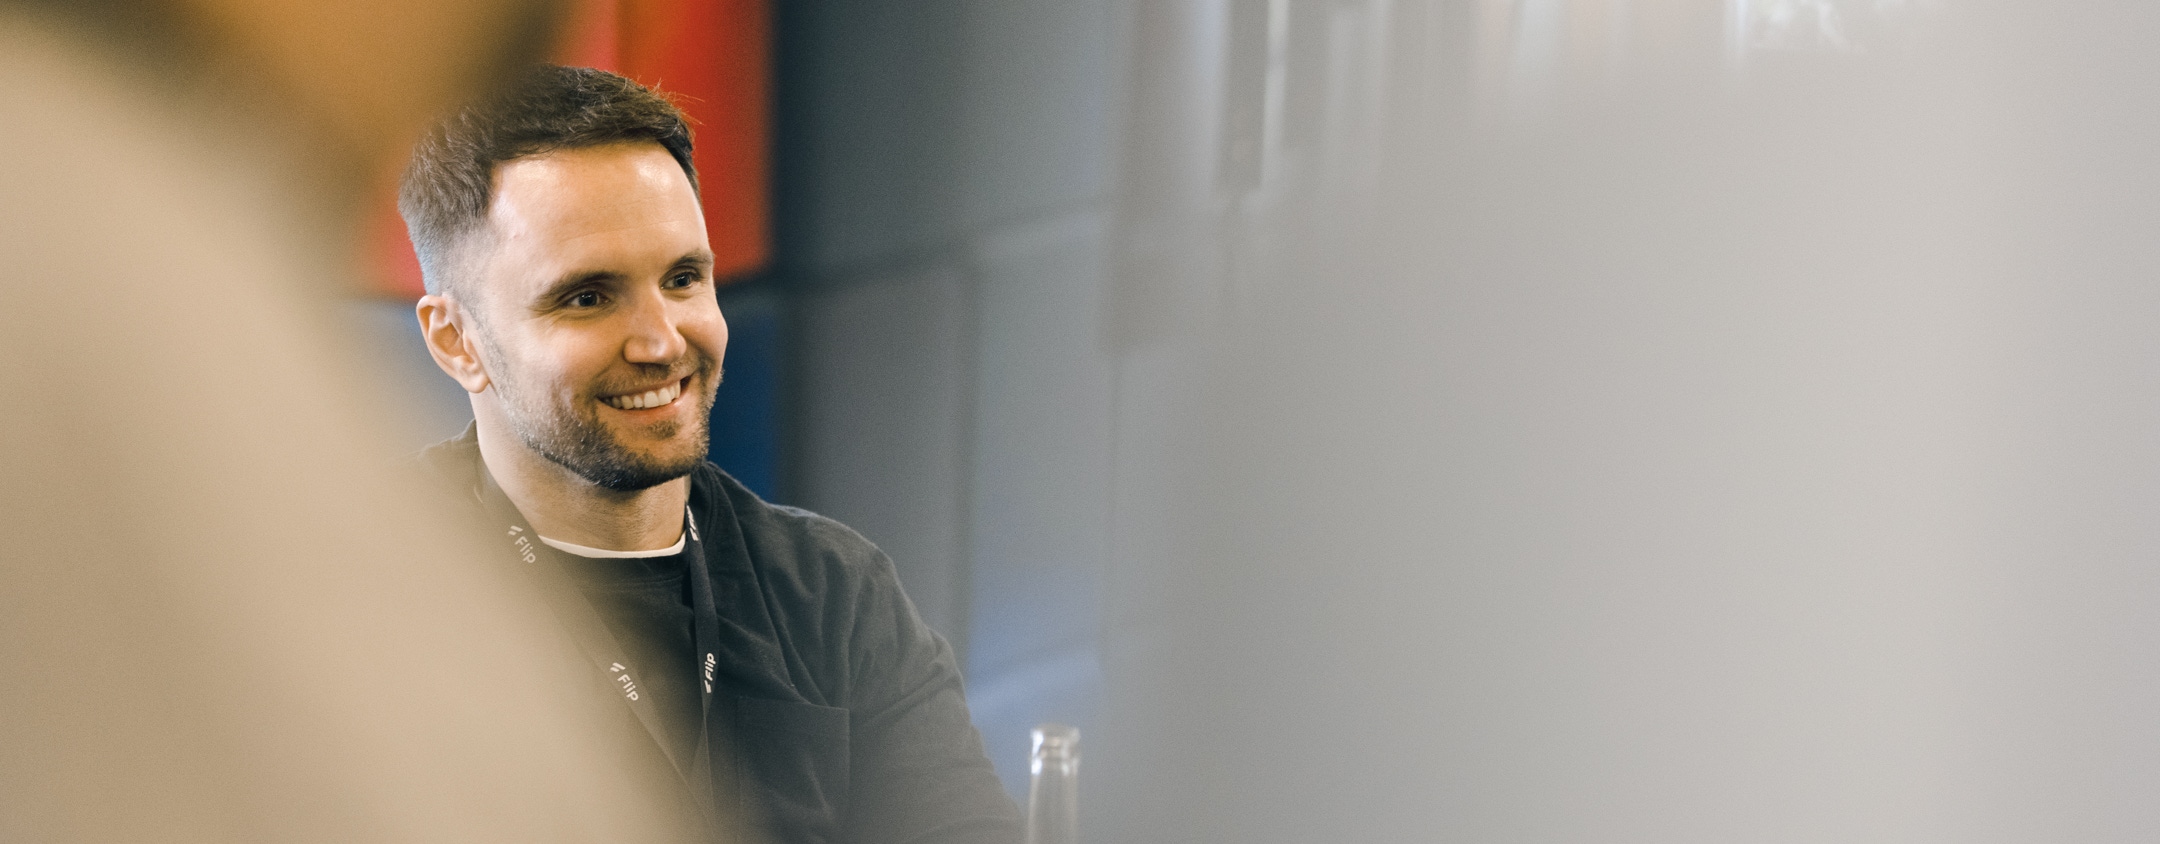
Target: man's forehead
x,y
563,195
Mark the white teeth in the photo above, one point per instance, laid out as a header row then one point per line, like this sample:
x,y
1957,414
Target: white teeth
x,y
649,398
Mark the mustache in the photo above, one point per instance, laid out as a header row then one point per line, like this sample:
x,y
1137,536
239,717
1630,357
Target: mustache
x,y
642,375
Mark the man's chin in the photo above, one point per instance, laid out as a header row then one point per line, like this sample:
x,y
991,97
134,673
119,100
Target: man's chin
x,y
624,459
619,469
634,477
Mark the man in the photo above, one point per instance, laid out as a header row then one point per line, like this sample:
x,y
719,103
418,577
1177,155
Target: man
x,y
571,295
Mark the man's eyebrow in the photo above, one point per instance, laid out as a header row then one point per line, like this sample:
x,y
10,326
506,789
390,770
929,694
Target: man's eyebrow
x,y
573,280
702,259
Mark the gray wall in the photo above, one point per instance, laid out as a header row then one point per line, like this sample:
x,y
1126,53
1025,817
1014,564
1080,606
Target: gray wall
x,y
1542,421
944,176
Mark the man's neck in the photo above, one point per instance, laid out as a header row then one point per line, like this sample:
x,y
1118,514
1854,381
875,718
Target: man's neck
x,y
561,505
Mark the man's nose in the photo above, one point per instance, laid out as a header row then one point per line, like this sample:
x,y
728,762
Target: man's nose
x,y
654,335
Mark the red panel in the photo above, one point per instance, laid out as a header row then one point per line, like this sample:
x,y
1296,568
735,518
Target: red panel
x,y
396,268
593,36
713,57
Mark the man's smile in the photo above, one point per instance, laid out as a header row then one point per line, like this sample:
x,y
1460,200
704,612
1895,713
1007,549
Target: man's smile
x,y
656,397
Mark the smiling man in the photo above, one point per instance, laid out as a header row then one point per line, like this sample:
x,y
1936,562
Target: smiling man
x,y
767,652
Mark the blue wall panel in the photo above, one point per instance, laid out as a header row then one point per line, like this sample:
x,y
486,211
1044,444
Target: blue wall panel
x,y
746,413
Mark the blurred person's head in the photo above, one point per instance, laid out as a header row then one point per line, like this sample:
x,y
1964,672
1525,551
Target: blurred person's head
x,y
373,73
357,80
569,275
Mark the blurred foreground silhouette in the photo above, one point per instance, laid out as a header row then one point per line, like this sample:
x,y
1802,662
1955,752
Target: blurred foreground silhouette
x,y
223,616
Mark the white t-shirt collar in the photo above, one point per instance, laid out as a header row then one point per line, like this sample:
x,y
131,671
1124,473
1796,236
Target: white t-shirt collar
x,y
605,554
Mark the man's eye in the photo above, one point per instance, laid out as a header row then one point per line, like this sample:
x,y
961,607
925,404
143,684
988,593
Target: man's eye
x,y
682,279
587,299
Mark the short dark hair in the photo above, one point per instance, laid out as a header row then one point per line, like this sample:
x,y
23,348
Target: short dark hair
x,y
444,196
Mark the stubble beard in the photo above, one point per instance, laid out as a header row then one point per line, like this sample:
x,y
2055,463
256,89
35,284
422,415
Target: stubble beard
x,y
575,438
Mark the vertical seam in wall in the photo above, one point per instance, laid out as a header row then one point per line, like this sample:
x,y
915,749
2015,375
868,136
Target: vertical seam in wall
x,y
967,265
1113,518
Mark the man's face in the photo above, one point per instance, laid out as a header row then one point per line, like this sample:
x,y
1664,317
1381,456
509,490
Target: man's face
x,y
593,300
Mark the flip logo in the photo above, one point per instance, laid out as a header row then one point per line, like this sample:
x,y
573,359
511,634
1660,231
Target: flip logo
x,y
523,544
709,663
622,678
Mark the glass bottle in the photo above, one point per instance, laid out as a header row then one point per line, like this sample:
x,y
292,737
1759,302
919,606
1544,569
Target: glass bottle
x,y
1053,810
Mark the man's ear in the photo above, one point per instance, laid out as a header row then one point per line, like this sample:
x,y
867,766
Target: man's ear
x,y
447,329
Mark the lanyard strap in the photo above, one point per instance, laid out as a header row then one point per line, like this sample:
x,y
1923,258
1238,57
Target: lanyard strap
x,y
606,653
